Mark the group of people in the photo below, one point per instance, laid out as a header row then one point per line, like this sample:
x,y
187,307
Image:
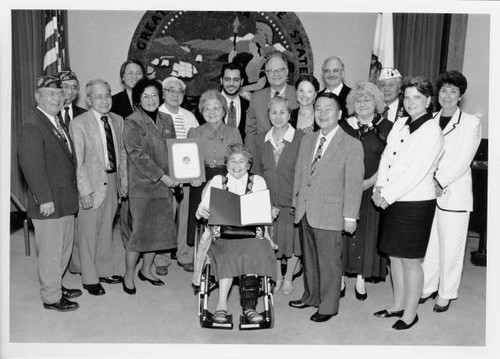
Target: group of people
x,y
361,180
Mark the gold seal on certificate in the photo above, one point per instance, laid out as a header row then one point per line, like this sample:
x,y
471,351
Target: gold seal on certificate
x,y
185,160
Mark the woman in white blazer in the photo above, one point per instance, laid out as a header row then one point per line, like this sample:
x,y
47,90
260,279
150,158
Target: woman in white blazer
x,y
444,258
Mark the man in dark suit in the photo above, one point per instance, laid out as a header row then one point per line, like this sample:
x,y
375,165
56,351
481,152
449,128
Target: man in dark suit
x,y
327,194
333,77
257,120
47,160
231,80
71,87
389,82
101,179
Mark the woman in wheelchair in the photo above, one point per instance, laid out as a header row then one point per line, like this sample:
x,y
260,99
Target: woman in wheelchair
x,y
246,258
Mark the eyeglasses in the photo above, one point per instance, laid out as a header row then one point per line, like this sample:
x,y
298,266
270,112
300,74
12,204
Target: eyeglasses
x,y
172,91
362,101
102,97
70,87
327,110
331,72
153,96
212,109
279,71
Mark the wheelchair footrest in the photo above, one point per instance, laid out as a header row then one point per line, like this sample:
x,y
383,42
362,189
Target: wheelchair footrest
x,y
207,321
265,324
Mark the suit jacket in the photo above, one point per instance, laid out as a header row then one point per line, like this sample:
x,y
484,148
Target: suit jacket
x,y
147,154
91,166
121,104
257,120
48,167
462,136
77,111
244,103
342,96
334,190
280,177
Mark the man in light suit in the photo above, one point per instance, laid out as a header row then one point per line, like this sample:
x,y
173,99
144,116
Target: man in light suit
x,y
47,159
231,80
101,179
327,194
389,83
257,120
333,77
71,87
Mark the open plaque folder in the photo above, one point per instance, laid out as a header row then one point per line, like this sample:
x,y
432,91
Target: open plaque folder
x,y
251,209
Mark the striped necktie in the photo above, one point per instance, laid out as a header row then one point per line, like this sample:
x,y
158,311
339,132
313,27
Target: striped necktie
x,y
62,133
319,152
231,115
109,144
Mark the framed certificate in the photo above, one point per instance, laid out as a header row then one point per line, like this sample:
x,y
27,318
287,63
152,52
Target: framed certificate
x,y
185,160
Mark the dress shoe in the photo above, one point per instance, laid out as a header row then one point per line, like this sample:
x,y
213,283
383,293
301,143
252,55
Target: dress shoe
x,y
94,289
360,296
401,325
63,305
161,270
188,267
440,308
386,314
128,290
298,304
432,295
342,293
114,279
156,282
71,293
173,255
316,317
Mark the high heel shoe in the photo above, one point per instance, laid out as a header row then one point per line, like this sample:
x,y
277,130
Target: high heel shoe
x,y
128,290
360,296
386,314
401,325
157,282
432,295
440,309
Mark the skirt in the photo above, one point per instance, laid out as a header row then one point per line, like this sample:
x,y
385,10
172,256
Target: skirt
x,y
153,227
286,234
235,257
406,227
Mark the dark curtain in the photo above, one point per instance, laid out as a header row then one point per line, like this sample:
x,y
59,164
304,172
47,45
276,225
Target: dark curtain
x,y
421,44
27,62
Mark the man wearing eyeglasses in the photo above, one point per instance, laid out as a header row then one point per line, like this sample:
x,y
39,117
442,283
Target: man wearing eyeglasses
x,y
173,94
101,180
333,78
257,120
71,88
231,81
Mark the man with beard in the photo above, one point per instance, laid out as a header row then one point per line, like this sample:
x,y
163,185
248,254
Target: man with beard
x,y
231,81
333,77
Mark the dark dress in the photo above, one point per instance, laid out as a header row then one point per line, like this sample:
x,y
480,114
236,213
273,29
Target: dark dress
x,y
294,117
360,250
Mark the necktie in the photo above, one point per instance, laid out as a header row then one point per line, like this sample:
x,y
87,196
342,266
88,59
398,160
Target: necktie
x,y
62,133
317,157
231,115
66,118
109,144
276,93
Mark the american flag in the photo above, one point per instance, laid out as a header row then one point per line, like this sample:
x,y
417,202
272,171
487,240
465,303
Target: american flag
x,y
383,45
55,58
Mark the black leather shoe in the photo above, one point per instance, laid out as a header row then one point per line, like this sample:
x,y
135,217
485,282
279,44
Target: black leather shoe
x,y
298,304
423,300
386,314
401,325
440,309
71,293
360,296
63,305
114,279
94,289
156,282
316,317
128,290
342,293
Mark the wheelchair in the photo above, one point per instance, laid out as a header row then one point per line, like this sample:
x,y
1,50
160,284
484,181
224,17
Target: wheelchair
x,y
255,286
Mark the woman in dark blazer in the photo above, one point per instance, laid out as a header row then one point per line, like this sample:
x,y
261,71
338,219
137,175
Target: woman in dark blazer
x,y
302,118
275,157
131,71
150,187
